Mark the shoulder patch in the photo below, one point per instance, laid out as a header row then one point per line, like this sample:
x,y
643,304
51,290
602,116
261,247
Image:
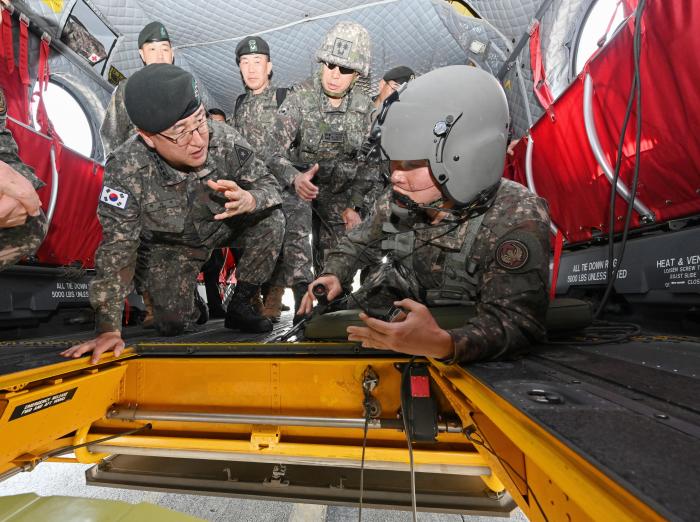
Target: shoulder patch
x,y
113,197
3,104
512,254
242,153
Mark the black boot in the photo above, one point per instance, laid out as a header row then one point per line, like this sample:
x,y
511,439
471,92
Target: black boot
x,y
240,314
298,289
201,307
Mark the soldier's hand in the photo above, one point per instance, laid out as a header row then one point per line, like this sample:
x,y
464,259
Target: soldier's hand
x,y
240,201
12,212
333,287
303,185
351,218
16,186
101,344
417,334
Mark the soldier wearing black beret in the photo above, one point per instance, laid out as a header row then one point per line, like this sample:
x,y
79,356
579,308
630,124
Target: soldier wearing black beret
x,y
391,81
184,186
154,47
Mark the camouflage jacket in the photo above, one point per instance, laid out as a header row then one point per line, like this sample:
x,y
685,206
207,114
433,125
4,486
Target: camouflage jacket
x,y
116,128
144,199
255,117
509,262
8,148
308,129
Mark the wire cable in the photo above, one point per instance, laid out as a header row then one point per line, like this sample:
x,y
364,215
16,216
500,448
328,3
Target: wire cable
x,y
404,410
636,89
362,461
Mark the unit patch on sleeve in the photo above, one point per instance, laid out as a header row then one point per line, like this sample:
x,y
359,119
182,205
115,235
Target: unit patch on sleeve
x,y
113,197
242,153
512,254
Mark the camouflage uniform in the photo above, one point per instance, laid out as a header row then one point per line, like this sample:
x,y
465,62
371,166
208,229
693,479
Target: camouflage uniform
x,y
28,237
255,120
172,212
116,128
332,137
507,268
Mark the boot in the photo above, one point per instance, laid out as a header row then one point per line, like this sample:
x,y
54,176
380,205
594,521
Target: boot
x,y
257,303
299,289
240,314
273,303
148,305
201,307
211,285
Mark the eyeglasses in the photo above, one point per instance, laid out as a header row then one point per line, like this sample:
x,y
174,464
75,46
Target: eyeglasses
x,y
185,138
343,70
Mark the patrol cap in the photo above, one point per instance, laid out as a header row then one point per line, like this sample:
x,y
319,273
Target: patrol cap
x,y
159,95
251,45
400,74
153,32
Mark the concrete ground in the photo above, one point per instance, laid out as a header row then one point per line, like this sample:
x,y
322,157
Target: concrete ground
x,y
69,480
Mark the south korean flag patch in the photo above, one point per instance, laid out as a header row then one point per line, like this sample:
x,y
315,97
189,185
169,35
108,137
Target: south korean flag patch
x,y
113,197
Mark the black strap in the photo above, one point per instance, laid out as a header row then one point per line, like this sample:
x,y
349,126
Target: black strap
x,y
508,64
239,102
280,95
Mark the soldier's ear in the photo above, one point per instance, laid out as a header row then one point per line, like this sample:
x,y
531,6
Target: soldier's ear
x,y
146,137
268,68
143,59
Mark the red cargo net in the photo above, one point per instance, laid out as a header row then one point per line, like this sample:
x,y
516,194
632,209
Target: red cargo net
x,y
75,232
565,171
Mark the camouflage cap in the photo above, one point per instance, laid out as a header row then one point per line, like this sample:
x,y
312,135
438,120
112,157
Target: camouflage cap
x,y
251,45
400,74
153,32
347,44
159,95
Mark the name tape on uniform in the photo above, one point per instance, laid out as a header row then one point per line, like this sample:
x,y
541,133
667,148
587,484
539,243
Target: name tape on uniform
x,y
113,197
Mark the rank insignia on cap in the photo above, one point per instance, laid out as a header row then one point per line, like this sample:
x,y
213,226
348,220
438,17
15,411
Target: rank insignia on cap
x,y
242,153
113,197
253,46
341,48
512,254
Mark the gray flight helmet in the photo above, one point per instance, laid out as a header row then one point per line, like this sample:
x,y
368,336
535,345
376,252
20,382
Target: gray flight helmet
x,y
457,118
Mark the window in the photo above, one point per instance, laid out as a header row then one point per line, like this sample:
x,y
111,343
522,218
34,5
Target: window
x,y
68,118
593,29
86,32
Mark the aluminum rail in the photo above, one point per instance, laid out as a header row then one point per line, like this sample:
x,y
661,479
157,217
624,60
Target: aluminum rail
x,y
646,214
448,469
133,414
530,177
54,188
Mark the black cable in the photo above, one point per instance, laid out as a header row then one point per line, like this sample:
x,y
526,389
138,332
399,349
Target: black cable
x,y
362,461
370,244
601,332
74,447
636,88
404,410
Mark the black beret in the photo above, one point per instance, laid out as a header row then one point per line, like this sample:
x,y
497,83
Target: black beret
x,y
400,74
153,32
159,95
251,45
